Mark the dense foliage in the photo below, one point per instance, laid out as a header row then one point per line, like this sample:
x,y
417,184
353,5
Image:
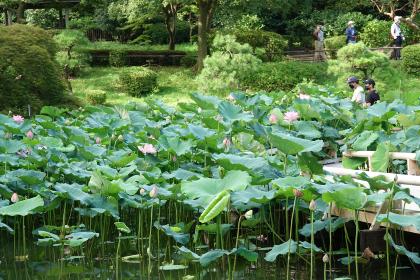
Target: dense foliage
x,y
29,73
411,59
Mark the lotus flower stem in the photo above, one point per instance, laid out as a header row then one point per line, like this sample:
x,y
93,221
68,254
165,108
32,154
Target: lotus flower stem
x,y
117,257
330,245
312,243
236,244
356,241
287,218
346,238
395,267
150,240
23,235
325,271
290,240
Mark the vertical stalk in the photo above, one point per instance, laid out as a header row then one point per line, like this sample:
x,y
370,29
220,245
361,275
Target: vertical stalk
x,y
290,240
236,245
346,238
150,239
356,240
312,243
330,241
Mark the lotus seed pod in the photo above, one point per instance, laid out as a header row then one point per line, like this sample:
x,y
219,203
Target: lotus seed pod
x,y
297,193
14,198
248,214
325,258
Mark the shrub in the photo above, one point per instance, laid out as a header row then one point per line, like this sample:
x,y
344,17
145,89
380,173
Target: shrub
x,y
139,83
284,76
358,58
335,43
96,97
376,33
189,60
118,58
272,43
29,73
411,59
228,66
337,25
71,59
158,34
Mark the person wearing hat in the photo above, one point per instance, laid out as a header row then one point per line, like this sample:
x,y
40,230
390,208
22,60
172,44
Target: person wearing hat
x,y
397,36
358,92
351,33
372,95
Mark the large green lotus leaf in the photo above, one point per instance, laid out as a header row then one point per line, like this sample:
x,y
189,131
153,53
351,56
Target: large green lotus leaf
x,y
23,207
206,101
281,249
319,225
200,132
100,204
187,254
121,158
291,145
307,246
10,146
353,162
215,207
30,177
401,195
175,145
231,112
402,250
376,183
245,253
129,188
174,232
364,140
286,185
51,142
74,192
254,194
212,256
401,220
182,174
92,152
380,112
349,197
307,130
53,111
98,184
308,163
122,227
245,142
380,158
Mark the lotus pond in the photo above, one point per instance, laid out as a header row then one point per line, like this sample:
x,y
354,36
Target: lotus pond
x,y
213,189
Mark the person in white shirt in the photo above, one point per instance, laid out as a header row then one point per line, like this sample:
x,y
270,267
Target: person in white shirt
x,y
358,92
397,36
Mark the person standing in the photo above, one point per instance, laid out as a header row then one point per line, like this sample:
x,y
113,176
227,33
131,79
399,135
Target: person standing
x,y
397,36
351,33
358,92
372,95
318,36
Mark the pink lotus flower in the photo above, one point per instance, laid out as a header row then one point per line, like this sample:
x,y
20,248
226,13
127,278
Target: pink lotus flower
x,y
231,97
147,149
303,96
14,198
98,140
226,142
273,119
18,119
153,192
30,134
291,116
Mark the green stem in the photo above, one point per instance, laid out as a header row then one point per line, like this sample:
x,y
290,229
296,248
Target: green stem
x,y
330,241
356,241
150,239
312,244
117,257
290,234
346,238
236,245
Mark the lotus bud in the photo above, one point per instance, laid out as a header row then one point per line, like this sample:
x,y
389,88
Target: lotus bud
x,y
273,119
113,136
30,134
297,193
368,254
174,158
154,192
120,138
325,258
142,191
14,198
248,214
98,140
226,142
312,205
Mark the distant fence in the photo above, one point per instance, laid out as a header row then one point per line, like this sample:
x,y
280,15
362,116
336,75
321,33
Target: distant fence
x,y
139,58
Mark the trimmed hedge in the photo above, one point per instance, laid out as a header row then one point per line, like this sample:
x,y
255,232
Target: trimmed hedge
x,y
284,76
411,59
139,83
29,73
95,97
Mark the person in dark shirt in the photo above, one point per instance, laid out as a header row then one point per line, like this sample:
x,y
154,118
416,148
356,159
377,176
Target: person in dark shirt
x,y
351,33
372,95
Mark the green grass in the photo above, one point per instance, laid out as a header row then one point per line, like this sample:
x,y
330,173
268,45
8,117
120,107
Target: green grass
x,y
175,84
113,46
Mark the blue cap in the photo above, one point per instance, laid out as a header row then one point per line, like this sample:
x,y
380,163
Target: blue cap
x,y
352,79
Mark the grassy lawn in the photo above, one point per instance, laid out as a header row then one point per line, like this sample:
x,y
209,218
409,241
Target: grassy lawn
x,y
175,84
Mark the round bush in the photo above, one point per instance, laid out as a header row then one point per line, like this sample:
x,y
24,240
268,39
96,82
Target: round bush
x,y
139,83
118,58
272,43
96,97
189,60
376,33
411,59
29,73
334,43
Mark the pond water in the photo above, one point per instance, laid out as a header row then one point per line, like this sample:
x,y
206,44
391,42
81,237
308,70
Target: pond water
x,y
48,263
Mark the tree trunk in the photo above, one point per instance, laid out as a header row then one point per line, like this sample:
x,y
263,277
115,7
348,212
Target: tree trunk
x,y
206,10
20,13
171,28
9,17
